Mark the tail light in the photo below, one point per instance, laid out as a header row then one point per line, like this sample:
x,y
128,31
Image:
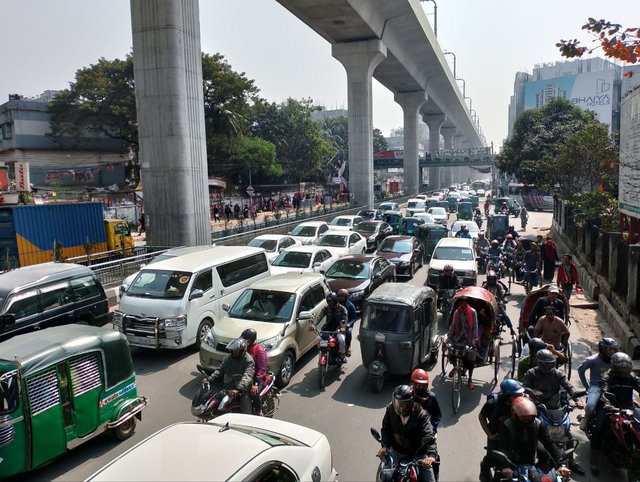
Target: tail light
x,y
332,343
316,342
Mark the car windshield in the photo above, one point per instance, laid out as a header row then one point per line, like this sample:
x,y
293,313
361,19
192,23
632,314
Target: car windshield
x,y
348,269
335,240
268,245
263,305
437,211
160,284
308,231
415,204
366,228
403,246
388,206
341,222
453,253
386,317
367,214
9,393
292,259
472,227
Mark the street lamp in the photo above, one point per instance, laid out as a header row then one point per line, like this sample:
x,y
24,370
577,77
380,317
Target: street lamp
x,y
435,15
464,87
446,52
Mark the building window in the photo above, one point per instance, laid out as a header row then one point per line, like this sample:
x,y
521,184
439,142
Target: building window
x,y
6,130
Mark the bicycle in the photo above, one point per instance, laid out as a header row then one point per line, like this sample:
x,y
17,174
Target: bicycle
x,y
458,352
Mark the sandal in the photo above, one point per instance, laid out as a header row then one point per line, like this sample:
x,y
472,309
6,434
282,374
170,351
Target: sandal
x,y
471,386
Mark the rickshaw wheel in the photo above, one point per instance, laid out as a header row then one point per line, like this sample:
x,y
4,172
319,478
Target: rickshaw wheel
x,y
322,375
443,361
456,390
567,366
514,351
496,360
377,384
125,430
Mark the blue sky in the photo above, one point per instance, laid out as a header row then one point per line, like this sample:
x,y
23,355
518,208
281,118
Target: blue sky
x,y
47,41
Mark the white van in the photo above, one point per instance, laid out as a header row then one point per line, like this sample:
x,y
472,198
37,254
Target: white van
x,y
174,303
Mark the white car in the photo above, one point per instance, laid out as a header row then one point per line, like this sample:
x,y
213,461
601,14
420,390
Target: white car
x,y
309,231
415,205
471,226
458,252
480,192
440,215
342,243
230,447
426,217
272,243
303,259
347,223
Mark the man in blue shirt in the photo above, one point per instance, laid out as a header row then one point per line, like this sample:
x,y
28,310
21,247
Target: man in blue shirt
x,y
597,365
343,299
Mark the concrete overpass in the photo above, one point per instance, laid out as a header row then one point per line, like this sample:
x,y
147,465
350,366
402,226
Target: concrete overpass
x,y
443,158
392,42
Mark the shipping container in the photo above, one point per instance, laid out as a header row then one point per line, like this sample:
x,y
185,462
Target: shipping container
x,y
29,234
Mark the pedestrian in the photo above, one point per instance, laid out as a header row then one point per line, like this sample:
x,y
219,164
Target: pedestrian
x,y
227,211
245,212
549,259
141,228
567,276
216,214
236,211
253,212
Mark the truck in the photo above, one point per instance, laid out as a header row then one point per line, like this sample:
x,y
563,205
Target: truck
x,y
38,233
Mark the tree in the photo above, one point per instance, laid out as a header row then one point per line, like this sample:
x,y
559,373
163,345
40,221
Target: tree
x,y
379,142
616,41
559,145
302,148
255,158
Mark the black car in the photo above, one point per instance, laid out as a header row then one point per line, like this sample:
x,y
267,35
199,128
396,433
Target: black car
x,y
370,214
374,232
405,252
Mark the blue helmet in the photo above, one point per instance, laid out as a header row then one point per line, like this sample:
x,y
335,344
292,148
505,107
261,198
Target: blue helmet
x,y
511,387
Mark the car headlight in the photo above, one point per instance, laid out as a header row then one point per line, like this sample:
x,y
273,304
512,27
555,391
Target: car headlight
x,y
175,322
405,264
356,295
271,343
371,240
210,339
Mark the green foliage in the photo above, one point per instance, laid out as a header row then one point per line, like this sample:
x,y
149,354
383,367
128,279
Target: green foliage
x,y
599,208
253,155
379,142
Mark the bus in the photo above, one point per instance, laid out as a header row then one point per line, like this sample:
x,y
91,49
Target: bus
x,y
530,197
475,185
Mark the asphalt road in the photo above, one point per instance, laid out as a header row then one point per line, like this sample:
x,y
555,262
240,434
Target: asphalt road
x,y
344,411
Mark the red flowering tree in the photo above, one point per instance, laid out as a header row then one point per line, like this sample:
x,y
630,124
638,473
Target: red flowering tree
x,y
615,40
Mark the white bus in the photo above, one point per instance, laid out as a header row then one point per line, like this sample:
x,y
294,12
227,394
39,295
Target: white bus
x,y
530,197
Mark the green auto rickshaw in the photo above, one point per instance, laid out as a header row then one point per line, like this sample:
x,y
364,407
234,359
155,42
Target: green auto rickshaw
x,y
410,226
60,387
465,211
497,202
475,201
497,227
394,219
453,204
430,203
444,204
429,234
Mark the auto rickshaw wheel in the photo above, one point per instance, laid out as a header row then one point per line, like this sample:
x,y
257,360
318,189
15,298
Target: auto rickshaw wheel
x,y
125,430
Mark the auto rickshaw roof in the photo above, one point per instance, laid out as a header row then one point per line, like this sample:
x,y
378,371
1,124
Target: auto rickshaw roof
x,y
432,227
40,349
391,211
401,293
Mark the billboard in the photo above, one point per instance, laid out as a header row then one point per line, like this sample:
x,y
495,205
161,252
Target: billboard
x,y
23,182
590,91
629,184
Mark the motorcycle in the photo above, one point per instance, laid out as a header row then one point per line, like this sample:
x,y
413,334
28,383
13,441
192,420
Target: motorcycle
x,y
328,352
478,219
446,299
403,470
524,473
209,403
496,264
483,256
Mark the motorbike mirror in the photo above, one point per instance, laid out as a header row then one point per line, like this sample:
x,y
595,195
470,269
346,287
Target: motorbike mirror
x,y
502,459
376,435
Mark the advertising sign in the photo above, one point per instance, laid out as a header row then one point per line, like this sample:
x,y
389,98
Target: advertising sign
x,y
590,91
629,183
23,182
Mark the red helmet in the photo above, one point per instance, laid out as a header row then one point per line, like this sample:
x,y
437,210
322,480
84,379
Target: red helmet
x,y
420,380
509,236
523,409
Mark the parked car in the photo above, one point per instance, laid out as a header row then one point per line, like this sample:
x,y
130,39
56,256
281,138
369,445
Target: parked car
x,y
415,206
458,252
359,275
440,215
374,232
281,309
405,252
389,206
309,231
50,294
344,222
370,214
471,226
272,243
427,218
252,448
302,259
343,242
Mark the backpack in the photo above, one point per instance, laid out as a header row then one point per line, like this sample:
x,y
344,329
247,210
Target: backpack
x,y
494,396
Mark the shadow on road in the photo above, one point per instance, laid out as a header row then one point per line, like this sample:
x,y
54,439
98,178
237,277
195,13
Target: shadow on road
x,y
147,361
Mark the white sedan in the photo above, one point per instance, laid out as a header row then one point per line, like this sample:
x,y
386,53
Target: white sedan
x,y
272,243
342,243
230,447
426,217
303,259
471,226
344,222
440,215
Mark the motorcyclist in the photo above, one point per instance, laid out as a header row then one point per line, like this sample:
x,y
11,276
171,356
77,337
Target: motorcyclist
x,y
524,217
487,207
513,232
531,264
407,431
529,361
509,243
343,299
496,289
551,299
463,331
259,355
493,413
236,372
337,321
547,380
520,436
464,232
495,254
504,209
426,398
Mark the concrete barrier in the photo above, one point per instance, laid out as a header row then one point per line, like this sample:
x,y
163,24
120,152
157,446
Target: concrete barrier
x,y
623,333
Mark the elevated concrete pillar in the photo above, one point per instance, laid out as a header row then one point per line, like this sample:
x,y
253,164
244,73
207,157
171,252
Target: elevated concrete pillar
x,y
169,98
457,141
447,134
434,122
360,60
411,102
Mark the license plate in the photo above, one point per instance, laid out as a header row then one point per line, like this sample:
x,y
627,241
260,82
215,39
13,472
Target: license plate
x,y
141,340
323,344
556,433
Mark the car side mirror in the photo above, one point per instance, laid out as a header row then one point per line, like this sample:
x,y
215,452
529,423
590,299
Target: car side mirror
x,y
6,320
317,264
195,294
305,315
225,307
289,233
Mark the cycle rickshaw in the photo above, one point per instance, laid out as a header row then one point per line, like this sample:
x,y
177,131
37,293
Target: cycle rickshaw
x,y
490,326
524,334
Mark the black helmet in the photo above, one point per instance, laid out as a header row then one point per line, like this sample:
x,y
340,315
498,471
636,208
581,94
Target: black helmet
x,y
332,298
403,400
492,276
607,347
239,344
621,364
535,345
494,242
545,360
250,335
